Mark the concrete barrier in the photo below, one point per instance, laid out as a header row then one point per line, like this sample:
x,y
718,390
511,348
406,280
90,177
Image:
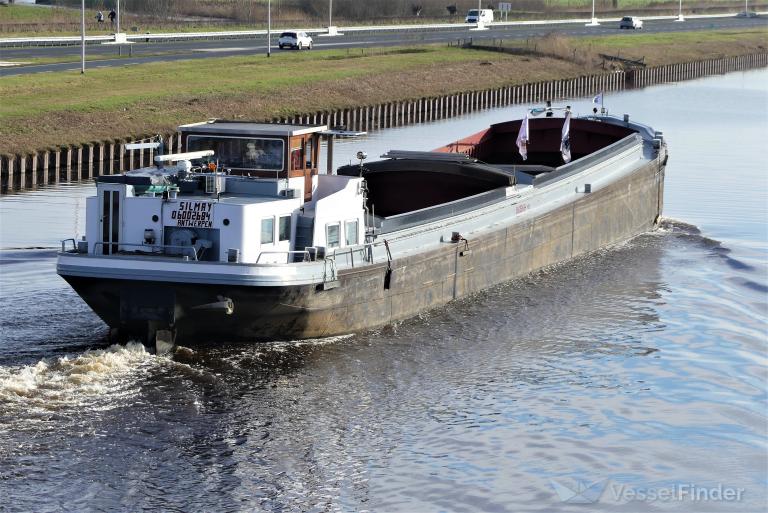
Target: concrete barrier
x,y
74,163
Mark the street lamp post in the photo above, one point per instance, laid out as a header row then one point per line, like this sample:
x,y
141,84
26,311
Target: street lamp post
x,y
593,22
269,28
330,14
118,16
680,12
82,38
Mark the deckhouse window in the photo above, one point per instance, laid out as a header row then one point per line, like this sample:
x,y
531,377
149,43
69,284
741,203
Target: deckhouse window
x,y
332,235
268,230
259,154
296,162
351,233
284,228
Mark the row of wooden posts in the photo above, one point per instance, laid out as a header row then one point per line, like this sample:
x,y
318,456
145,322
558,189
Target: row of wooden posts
x,y
74,163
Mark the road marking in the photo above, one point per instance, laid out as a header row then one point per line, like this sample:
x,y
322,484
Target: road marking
x,y
216,50
315,45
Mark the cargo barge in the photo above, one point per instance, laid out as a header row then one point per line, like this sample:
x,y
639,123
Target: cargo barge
x,y
241,238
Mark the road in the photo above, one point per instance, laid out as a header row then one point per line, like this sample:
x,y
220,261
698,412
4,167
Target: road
x,y
181,50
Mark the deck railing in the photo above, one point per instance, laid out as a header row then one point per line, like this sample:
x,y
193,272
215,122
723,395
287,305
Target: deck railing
x,y
184,251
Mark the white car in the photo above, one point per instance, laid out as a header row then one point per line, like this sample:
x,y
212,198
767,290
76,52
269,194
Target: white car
x,y
298,40
631,22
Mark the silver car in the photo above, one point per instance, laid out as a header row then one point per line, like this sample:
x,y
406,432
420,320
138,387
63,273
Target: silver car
x,y
298,40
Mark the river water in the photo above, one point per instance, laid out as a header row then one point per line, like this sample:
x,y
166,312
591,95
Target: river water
x,y
636,375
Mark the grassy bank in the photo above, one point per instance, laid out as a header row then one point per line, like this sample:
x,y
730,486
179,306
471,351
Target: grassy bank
x,y
654,49
68,108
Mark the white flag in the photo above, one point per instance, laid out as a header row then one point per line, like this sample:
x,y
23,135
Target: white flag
x,y
565,141
598,100
522,138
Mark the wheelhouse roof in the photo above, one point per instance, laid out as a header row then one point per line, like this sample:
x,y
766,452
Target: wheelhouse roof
x,y
235,128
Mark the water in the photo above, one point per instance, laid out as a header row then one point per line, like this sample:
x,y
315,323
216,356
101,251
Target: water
x,y
639,369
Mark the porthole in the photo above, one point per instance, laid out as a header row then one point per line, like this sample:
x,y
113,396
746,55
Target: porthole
x,y
226,222
155,218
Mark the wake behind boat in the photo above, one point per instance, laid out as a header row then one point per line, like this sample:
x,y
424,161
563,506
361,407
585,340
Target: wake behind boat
x,y
240,237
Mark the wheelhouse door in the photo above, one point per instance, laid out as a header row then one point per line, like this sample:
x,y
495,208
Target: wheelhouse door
x,y
110,220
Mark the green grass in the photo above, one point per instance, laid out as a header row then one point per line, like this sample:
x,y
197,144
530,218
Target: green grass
x,y
122,87
90,57
671,39
32,14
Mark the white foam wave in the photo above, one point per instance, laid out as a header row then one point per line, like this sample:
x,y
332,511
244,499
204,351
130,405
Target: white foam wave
x,y
96,376
670,225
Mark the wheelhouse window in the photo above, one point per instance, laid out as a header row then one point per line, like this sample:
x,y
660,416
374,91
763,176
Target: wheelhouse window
x,y
258,154
268,230
332,235
351,237
296,162
284,229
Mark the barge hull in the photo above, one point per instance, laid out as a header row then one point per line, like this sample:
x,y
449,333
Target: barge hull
x,y
614,213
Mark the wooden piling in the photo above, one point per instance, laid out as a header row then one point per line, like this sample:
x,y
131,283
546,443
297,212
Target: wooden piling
x,y
10,170
23,179
45,164
56,152
32,170
5,175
